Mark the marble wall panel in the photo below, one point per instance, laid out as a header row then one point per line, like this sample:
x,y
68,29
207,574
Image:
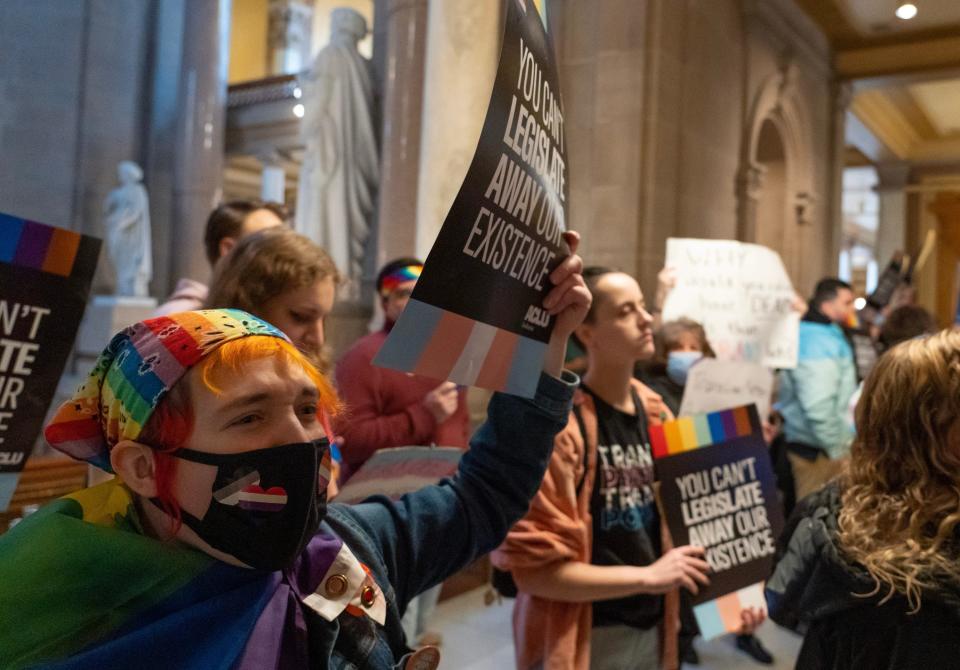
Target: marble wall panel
x,y
41,56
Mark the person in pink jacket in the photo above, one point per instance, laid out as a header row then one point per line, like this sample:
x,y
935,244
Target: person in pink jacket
x,y
389,408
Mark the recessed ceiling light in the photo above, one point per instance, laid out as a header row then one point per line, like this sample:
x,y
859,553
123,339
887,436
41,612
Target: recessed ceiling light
x,y
859,303
298,110
906,11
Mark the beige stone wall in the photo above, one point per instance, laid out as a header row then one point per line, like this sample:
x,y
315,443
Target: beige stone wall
x,y
659,97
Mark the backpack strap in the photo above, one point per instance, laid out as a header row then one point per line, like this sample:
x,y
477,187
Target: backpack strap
x,y
582,425
641,411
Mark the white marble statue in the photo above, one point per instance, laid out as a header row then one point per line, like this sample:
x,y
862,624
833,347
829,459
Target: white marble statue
x,y
127,223
340,171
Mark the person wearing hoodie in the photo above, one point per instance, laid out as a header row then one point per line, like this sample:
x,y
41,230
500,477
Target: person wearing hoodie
x,y
869,566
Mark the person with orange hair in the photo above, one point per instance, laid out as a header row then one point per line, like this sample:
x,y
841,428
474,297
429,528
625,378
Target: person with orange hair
x,y
214,546
869,566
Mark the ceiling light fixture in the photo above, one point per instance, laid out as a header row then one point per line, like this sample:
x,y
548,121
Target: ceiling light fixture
x,y
298,111
906,11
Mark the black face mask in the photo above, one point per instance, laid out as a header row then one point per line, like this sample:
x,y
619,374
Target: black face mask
x,y
266,504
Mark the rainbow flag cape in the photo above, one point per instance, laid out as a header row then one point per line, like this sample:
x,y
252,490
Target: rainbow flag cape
x,y
82,587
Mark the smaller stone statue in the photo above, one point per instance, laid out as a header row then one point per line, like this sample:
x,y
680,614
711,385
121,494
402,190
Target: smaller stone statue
x,y
127,223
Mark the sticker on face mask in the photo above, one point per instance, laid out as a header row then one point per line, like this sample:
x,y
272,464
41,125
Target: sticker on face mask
x,y
257,499
246,493
323,474
230,494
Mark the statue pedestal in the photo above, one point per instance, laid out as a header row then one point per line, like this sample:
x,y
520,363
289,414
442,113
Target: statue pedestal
x,y
107,315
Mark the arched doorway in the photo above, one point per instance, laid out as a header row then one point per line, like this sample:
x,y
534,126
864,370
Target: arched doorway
x,y
776,200
773,216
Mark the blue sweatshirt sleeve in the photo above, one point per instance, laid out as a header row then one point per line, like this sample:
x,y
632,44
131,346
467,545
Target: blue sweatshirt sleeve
x,y
428,535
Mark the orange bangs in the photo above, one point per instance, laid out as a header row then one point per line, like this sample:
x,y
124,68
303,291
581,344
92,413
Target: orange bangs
x,y
231,357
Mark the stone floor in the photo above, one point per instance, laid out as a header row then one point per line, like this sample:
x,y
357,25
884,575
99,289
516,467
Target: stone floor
x,y
477,637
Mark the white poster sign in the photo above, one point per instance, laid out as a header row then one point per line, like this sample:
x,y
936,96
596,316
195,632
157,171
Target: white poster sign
x,y
741,294
714,385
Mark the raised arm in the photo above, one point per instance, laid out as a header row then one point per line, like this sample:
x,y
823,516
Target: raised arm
x,y
428,535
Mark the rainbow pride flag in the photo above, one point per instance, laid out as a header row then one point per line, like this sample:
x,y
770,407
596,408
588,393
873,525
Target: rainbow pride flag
x,y
703,430
36,245
83,587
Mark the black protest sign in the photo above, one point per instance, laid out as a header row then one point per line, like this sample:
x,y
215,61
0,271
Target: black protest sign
x,y
475,316
45,276
721,494
502,236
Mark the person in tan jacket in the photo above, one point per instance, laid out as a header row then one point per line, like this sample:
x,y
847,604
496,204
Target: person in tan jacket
x,y
596,574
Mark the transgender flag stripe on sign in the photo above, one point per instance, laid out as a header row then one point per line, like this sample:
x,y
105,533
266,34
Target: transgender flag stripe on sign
x,y
439,344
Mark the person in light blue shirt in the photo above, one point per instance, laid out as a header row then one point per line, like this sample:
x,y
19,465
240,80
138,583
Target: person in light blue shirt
x,y
814,395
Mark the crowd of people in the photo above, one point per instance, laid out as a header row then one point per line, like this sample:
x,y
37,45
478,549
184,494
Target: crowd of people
x,y
230,428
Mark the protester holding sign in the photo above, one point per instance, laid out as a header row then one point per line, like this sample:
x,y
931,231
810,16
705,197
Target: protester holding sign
x,y
869,566
178,563
814,396
589,559
476,316
390,408
678,346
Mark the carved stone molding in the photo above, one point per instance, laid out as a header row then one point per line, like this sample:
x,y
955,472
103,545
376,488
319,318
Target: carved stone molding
x,y
777,101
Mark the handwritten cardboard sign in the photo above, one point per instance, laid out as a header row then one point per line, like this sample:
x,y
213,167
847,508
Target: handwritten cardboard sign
x,y
45,276
741,294
713,385
475,315
717,491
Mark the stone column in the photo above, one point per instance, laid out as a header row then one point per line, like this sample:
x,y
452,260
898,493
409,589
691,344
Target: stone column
x,y
400,45
198,143
842,96
892,224
463,48
289,36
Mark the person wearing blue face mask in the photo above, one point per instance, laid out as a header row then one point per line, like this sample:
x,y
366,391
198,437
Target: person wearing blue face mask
x,y
679,345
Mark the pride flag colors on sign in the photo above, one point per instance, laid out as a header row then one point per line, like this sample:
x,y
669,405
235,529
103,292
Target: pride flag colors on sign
x,y
397,471
34,245
475,316
45,276
717,491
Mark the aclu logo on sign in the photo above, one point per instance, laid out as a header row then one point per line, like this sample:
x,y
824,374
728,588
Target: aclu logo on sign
x,y
536,316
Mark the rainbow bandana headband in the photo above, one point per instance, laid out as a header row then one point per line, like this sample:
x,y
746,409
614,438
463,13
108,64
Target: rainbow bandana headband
x,y
135,371
391,281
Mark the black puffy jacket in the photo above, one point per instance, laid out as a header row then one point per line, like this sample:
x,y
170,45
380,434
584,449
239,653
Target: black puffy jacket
x,y
814,590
